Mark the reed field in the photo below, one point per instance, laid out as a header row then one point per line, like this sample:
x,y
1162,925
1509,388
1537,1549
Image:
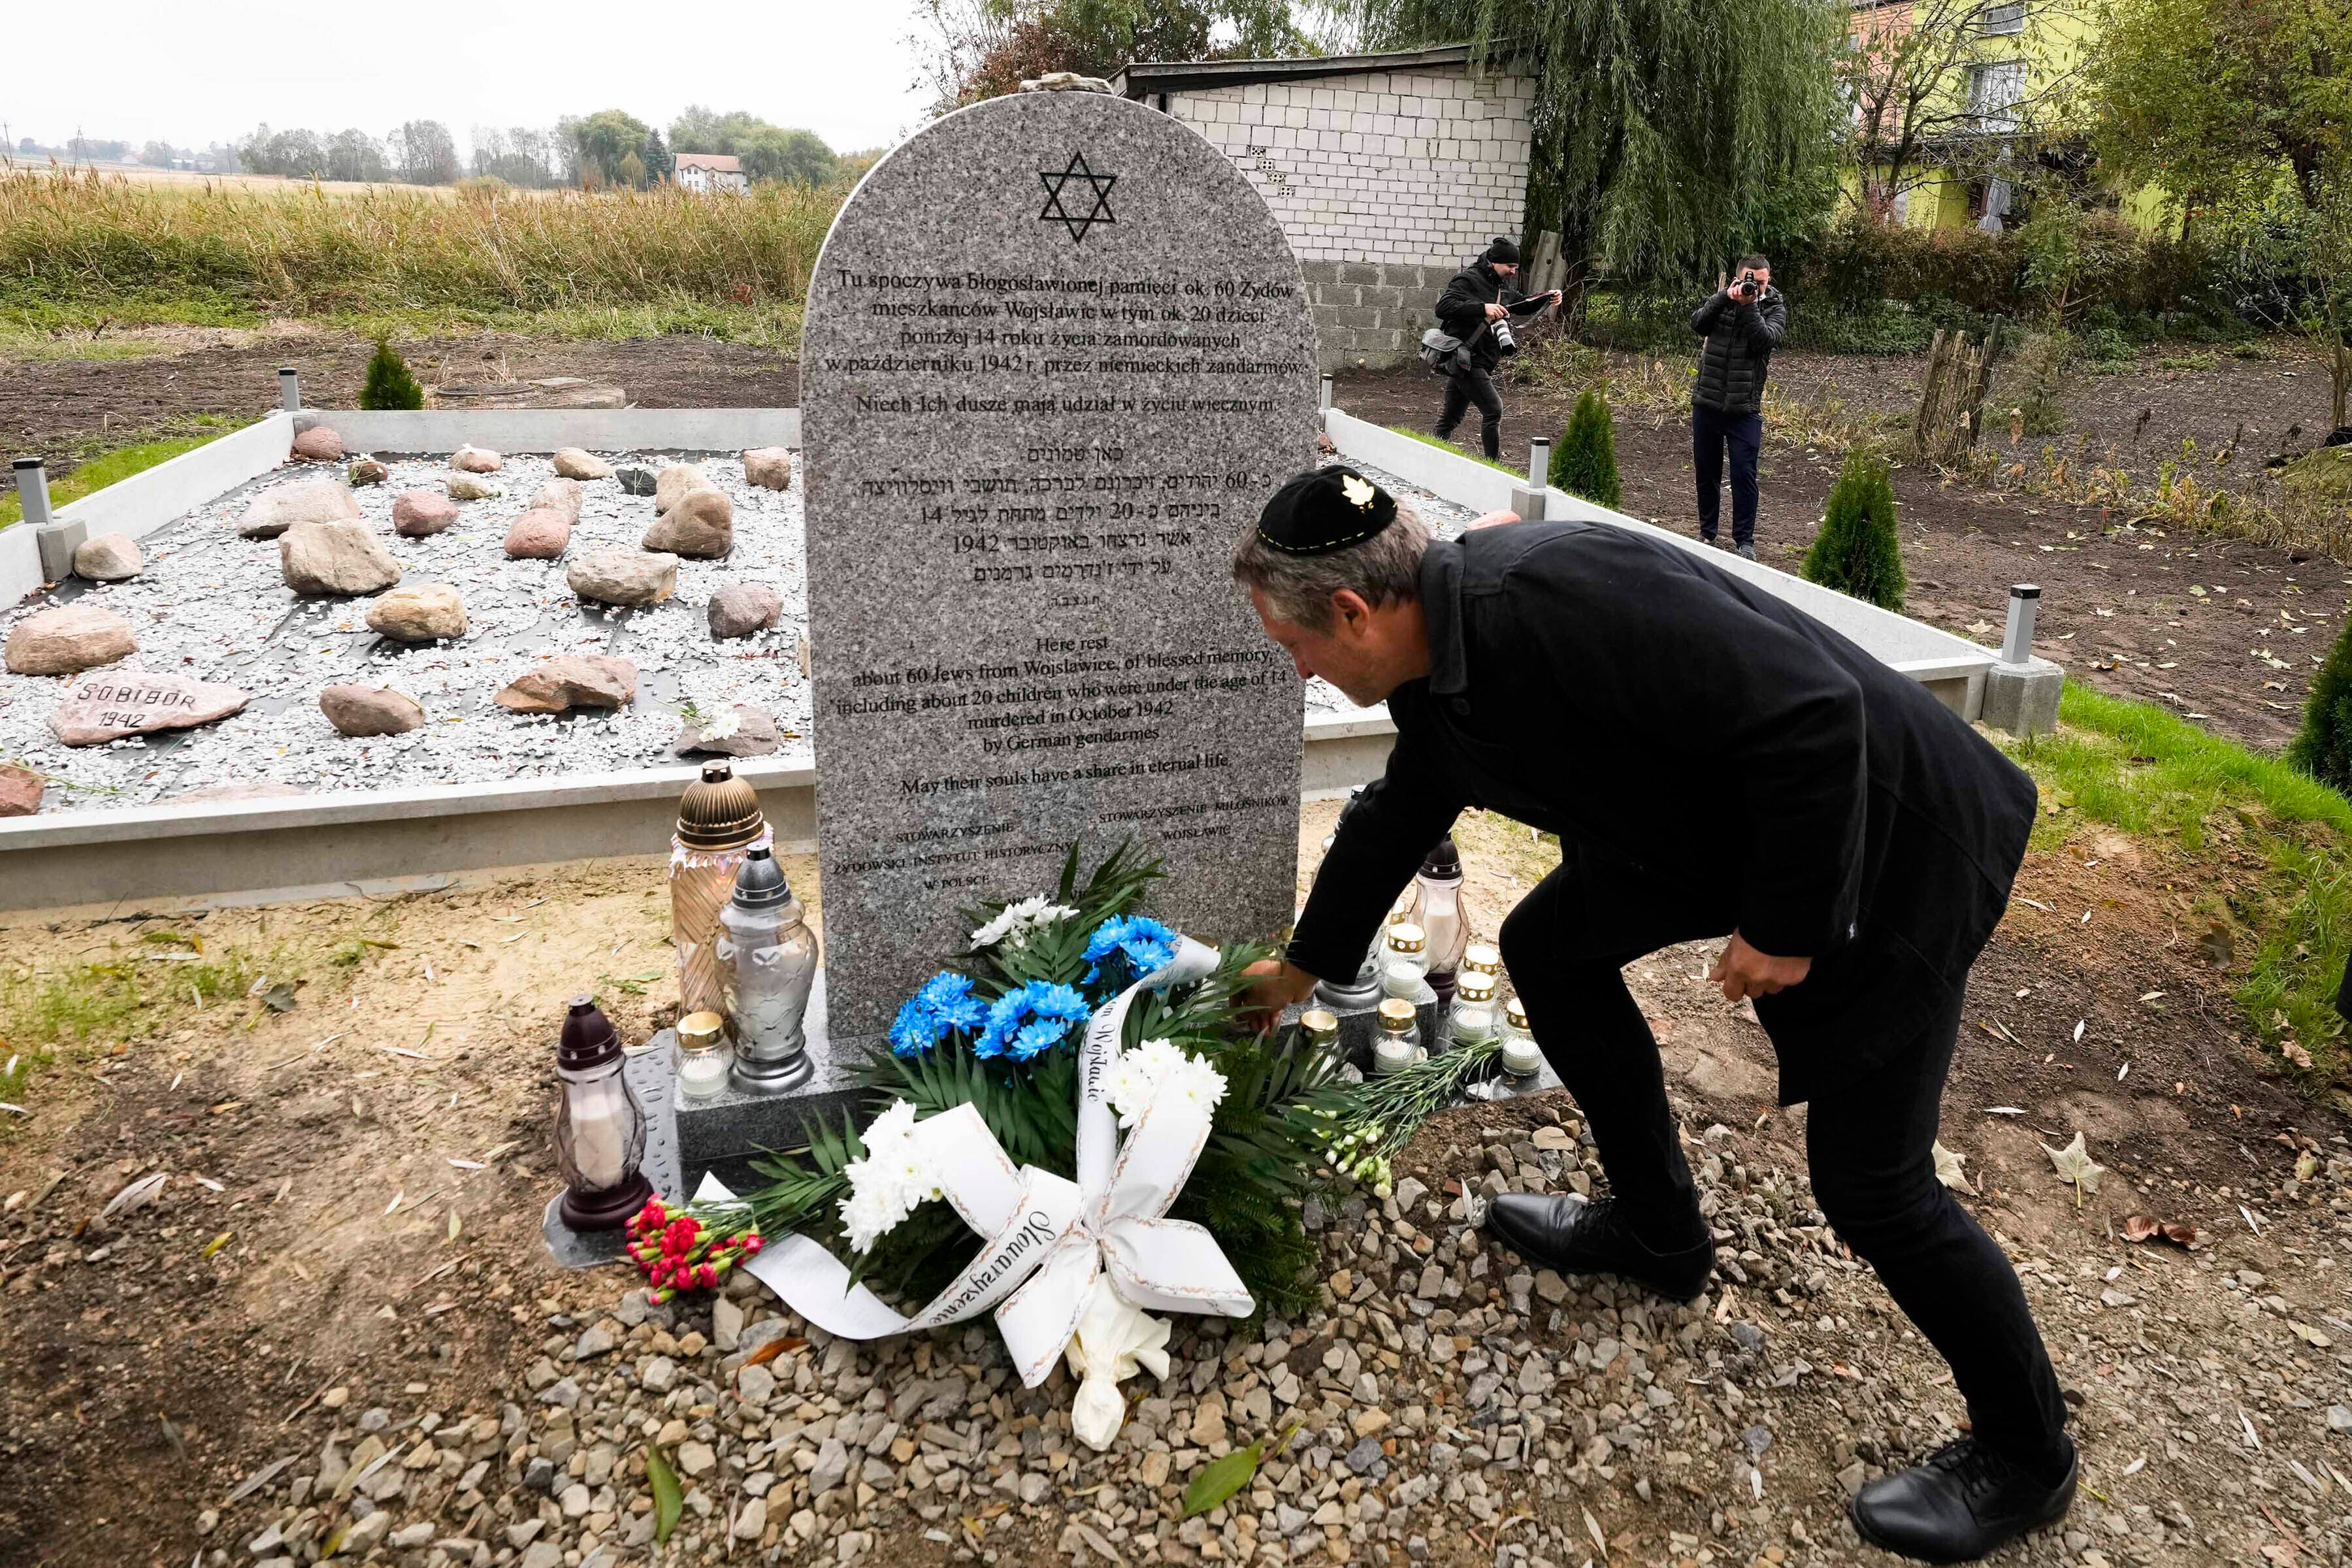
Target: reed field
x,y
77,249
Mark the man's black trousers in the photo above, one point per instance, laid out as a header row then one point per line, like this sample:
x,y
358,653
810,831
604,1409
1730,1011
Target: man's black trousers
x,y
1869,1139
1462,388
1711,431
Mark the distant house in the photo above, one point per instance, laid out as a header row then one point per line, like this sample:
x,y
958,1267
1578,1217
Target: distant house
x,y
1387,172
708,172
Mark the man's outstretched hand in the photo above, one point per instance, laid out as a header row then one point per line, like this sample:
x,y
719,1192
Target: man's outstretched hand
x,y
1743,971
1275,984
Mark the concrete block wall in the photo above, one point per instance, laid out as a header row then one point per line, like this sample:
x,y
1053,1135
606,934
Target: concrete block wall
x,y
1385,182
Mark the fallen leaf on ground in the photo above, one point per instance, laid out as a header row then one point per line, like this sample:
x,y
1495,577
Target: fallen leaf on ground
x,y
2147,1227
1949,1170
2074,1164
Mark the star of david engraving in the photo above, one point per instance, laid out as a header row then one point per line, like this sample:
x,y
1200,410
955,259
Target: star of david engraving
x,y
1097,185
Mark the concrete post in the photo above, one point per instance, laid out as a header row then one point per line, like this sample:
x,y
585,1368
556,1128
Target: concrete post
x,y
33,491
1539,463
2024,605
1325,404
290,389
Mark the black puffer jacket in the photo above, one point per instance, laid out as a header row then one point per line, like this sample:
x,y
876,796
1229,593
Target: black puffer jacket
x,y
1740,338
1462,310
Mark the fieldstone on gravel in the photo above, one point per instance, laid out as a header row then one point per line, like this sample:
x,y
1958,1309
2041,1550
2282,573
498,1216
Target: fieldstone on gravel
x,y
318,445
417,514
369,711
702,525
539,536
330,558
69,640
366,471
675,481
20,791
755,734
273,511
559,495
109,558
636,480
575,464
420,612
465,487
115,703
623,577
573,680
476,460
769,467
741,609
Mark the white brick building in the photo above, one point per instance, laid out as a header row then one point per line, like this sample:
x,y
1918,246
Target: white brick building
x,y
1387,172
709,171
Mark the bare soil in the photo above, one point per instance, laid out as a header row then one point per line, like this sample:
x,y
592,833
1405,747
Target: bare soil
x,y
352,1214
2199,622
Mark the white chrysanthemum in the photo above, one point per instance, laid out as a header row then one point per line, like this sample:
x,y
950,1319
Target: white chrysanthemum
x,y
1016,920
1156,1069
721,724
886,1185
1128,1088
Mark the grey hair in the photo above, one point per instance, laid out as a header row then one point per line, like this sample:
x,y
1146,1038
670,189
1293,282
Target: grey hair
x,y
1383,568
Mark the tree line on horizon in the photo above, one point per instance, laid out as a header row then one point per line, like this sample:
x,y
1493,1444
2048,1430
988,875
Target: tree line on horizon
x,y
608,148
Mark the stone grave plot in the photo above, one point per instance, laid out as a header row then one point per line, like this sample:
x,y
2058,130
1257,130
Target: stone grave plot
x,y
224,689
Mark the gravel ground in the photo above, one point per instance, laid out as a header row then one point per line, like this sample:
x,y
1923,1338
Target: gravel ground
x,y
1454,1408
214,606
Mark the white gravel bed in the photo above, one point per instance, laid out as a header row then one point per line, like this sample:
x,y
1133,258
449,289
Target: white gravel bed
x,y
214,606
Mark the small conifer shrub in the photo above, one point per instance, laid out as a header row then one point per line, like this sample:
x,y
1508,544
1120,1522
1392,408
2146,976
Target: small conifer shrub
x,y
1857,551
2323,748
389,384
1585,461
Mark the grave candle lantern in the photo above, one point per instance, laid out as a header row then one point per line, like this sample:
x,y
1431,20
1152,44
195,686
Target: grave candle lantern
x,y
718,822
768,962
600,1129
1438,910
1521,1056
702,1057
1397,1045
1406,972
1472,1019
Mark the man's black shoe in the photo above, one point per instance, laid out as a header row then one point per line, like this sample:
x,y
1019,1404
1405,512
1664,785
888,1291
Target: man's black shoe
x,y
1964,1501
1573,1236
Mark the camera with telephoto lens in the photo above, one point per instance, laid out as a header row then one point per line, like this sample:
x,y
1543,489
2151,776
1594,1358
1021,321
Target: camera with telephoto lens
x,y
1505,344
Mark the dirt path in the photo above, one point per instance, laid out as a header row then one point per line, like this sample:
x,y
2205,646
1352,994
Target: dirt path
x,y
346,1252
2217,629
54,408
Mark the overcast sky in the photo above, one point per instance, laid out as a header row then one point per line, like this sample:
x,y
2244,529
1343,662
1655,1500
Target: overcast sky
x,y
195,73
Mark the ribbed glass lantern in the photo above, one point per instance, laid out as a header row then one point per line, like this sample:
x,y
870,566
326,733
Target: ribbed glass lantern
x,y
600,1129
719,821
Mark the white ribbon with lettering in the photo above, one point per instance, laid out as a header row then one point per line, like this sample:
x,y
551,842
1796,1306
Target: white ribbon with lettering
x,y
1048,1239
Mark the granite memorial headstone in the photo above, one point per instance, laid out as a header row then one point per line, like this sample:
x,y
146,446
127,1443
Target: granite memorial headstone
x,y
1058,355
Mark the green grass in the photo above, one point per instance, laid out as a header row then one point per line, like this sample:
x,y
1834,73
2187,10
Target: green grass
x,y
2138,769
115,464
1427,439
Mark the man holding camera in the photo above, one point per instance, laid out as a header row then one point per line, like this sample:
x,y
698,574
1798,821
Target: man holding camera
x,y
1742,325
1477,308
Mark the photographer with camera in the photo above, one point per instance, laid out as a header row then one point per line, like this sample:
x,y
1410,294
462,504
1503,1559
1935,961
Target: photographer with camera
x,y
1742,325
1476,313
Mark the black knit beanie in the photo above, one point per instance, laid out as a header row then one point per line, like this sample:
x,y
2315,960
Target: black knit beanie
x,y
1502,250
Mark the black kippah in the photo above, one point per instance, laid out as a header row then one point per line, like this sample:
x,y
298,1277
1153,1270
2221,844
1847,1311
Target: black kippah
x,y
1325,509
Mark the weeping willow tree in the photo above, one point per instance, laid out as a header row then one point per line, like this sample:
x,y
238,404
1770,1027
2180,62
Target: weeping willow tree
x,y
1669,135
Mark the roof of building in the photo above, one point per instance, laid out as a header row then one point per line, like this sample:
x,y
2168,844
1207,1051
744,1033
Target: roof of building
x,y
717,163
1143,77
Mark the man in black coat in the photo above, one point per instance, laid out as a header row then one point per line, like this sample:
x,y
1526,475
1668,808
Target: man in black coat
x,y
1742,325
1598,684
1476,298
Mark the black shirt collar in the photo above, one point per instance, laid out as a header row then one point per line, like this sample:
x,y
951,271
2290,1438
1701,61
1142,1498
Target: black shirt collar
x,y
1441,608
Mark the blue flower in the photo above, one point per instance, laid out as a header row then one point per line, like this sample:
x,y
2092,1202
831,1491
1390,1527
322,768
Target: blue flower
x,y
1029,1019
1142,942
945,1002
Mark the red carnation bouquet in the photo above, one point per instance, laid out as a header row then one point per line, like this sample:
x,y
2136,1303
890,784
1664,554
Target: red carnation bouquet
x,y
680,1252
